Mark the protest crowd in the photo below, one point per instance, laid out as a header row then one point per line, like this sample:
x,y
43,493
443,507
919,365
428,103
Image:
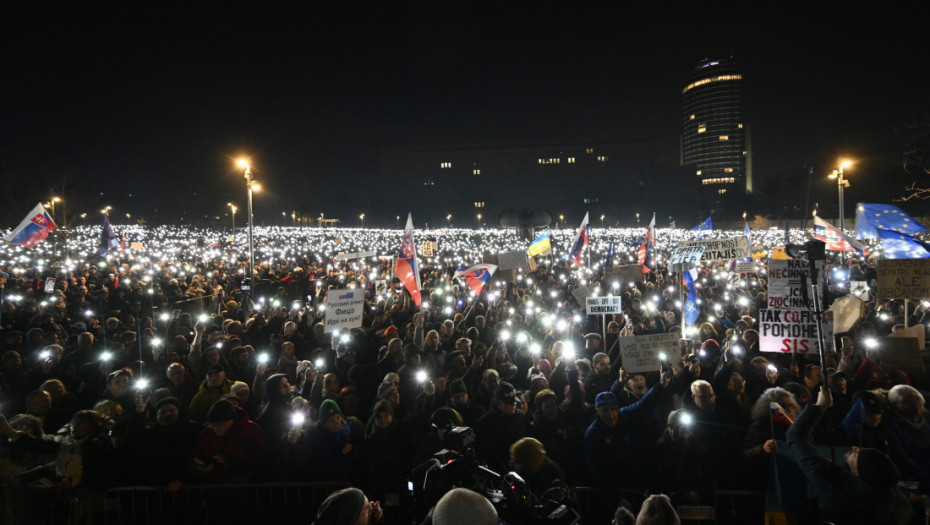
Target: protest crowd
x,y
153,365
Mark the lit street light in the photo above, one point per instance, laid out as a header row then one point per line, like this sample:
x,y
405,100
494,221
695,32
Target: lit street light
x,y
362,218
250,186
602,220
479,220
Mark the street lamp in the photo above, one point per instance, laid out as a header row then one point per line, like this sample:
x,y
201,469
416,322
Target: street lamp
x,y
293,218
362,218
841,183
637,220
479,220
397,221
602,220
250,186
449,218
233,208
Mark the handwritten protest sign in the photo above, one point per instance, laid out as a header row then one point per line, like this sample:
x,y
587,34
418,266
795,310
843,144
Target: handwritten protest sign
x,y
344,309
640,353
786,283
603,305
903,278
792,331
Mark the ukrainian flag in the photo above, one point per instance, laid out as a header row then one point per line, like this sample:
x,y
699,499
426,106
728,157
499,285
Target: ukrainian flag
x,y
540,245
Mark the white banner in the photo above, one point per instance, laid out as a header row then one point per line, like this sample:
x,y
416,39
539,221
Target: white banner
x,y
786,282
640,353
608,305
689,255
792,331
355,255
344,309
722,249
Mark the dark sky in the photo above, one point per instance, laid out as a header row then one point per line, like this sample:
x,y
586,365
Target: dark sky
x,y
156,100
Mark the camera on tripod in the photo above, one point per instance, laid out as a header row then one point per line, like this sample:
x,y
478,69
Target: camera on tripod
x,y
811,250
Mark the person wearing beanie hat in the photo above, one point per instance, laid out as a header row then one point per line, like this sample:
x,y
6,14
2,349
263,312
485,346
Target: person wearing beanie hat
x,y
348,507
229,448
460,400
211,390
863,494
275,420
462,506
333,445
499,428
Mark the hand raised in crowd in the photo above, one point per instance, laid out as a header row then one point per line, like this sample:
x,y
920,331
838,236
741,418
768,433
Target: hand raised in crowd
x,y
824,398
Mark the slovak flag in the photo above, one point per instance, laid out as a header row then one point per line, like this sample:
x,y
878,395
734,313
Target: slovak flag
x,y
580,242
836,240
33,229
647,249
779,415
477,276
406,267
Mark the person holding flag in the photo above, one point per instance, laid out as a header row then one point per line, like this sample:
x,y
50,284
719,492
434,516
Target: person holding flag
x,y
705,226
646,251
540,245
406,266
33,229
580,242
108,239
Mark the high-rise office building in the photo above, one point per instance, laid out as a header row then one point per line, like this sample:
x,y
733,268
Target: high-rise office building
x,y
715,136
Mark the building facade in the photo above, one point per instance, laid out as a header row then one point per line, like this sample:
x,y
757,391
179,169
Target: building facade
x,y
715,143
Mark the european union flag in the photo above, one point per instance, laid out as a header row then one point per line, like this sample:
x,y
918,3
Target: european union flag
x,y
896,245
870,218
705,226
692,310
608,261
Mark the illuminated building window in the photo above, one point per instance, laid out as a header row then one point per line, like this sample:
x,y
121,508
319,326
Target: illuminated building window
x,y
728,170
740,126
602,158
721,191
476,172
589,151
718,78
701,129
719,180
479,204
691,118
571,160
590,200
429,182
724,137
550,161
698,172
445,165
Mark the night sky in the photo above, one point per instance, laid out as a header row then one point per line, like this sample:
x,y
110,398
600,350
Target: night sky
x,y
157,100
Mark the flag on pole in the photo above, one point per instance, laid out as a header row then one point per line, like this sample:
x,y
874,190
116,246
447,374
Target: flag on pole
x,y
406,266
835,239
692,310
477,276
540,245
646,252
896,245
580,242
705,226
33,229
873,217
609,259
108,239
779,415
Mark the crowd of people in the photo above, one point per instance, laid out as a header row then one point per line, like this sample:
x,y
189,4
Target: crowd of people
x,y
153,366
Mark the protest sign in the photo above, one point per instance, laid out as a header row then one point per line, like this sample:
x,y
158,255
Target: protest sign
x,y
918,331
847,311
343,256
792,331
903,278
722,249
608,305
687,255
630,273
512,260
137,246
50,285
428,248
746,267
860,289
344,309
786,283
901,353
581,293
640,353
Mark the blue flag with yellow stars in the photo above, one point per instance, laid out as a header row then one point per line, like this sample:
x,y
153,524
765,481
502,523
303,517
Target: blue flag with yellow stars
x,y
870,218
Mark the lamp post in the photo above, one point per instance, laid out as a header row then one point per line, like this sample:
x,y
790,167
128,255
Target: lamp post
x,y
479,220
233,208
362,219
841,183
248,183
